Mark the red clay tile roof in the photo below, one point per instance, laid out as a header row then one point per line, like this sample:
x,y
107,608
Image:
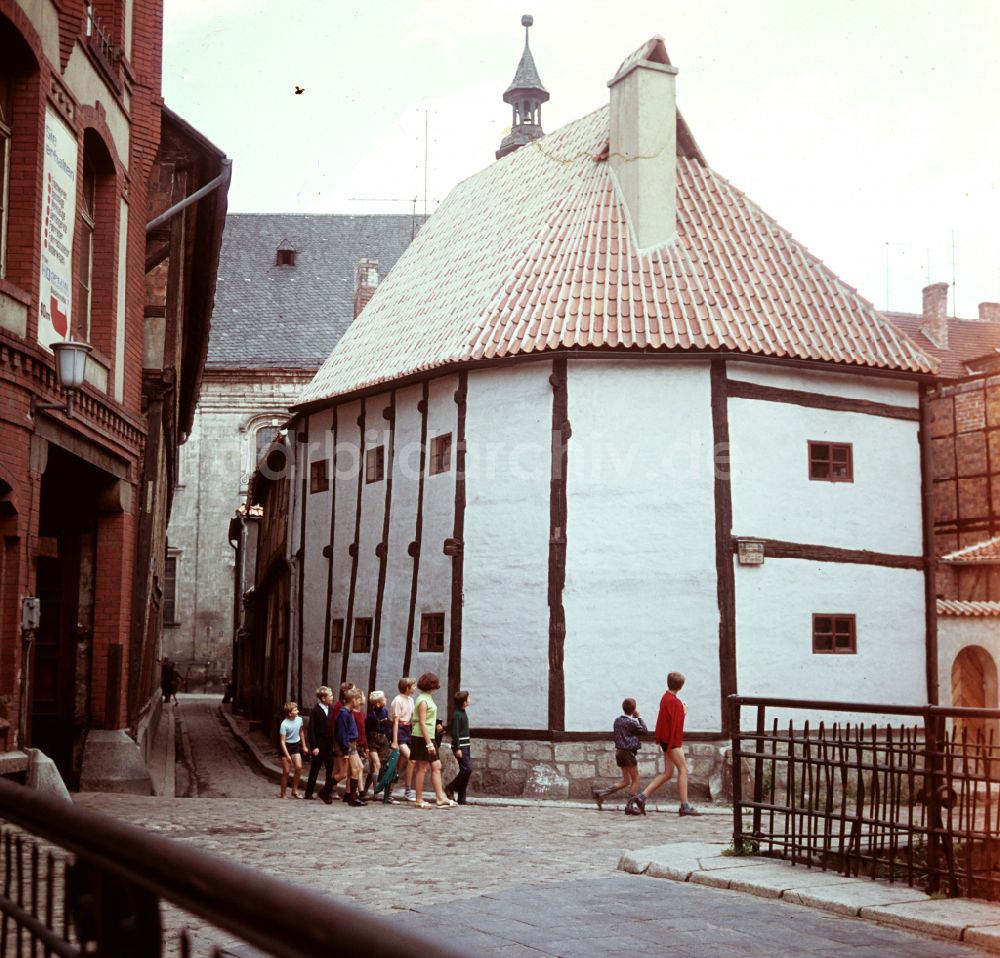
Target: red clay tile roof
x,y
534,254
968,339
960,607
988,551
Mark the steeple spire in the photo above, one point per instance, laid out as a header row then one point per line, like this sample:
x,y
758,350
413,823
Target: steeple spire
x,y
526,96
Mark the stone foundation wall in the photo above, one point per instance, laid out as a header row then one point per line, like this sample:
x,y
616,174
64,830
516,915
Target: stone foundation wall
x,y
572,769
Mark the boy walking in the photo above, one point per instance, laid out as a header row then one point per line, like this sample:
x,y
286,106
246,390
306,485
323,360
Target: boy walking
x,y
628,728
669,735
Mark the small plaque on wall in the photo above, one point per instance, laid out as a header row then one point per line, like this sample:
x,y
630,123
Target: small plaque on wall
x,y
750,551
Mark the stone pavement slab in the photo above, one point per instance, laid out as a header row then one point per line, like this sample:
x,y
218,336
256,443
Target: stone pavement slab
x,y
707,865
947,918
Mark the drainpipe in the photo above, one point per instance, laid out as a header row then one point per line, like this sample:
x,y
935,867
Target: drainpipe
x,y
223,177
930,553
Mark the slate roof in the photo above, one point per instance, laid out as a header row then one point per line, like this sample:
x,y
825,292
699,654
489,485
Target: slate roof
x,y
968,339
292,316
987,551
534,254
526,77
965,607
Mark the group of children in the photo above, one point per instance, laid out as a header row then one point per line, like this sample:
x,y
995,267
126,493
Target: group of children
x,y
370,751
405,740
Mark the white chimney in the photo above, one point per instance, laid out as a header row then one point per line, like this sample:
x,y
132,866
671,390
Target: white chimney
x,y
643,148
935,323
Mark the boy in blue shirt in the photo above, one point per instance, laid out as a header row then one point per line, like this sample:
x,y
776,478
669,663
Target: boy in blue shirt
x,y
628,728
346,743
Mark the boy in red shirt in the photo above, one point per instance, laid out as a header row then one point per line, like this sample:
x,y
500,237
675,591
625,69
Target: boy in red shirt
x,y
669,734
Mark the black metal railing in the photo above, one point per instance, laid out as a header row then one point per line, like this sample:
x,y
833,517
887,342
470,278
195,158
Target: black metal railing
x,y
74,882
917,802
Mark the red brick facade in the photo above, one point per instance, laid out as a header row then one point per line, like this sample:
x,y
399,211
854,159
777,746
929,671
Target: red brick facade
x,y
74,489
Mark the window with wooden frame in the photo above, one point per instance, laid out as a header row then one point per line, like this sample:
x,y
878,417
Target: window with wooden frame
x,y
85,263
440,460
170,591
432,632
319,476
285,257
362,636
337,635
831,461
834,633
375,464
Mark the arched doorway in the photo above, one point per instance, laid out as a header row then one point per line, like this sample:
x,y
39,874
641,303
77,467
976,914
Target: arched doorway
x,y
974,685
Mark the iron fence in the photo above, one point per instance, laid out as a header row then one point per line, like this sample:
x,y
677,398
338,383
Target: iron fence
x,y
79,883
917,802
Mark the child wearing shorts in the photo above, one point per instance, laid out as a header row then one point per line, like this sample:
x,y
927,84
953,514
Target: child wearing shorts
x,y
292,739
628,729
346,744
378,731
401,713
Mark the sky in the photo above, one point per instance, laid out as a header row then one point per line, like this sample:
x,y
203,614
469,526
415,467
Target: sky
x,y
868,128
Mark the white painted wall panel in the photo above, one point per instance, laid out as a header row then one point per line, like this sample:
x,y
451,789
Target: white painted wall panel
x,y
775,603
434,579
774,498
640,594
317,535
506,617
348,462
370,533
956,632
402,530
847,385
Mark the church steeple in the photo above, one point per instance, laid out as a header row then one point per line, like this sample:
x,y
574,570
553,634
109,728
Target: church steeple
x,y
526,96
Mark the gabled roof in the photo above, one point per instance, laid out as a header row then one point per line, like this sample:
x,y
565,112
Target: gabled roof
x,y
968,339
988,551
534,254
963,607
292,316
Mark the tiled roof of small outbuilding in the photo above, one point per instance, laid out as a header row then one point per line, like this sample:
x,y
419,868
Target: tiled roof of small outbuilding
x,y
534,253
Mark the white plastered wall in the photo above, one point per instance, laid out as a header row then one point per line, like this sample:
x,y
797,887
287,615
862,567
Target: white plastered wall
x,y
402,531
434,577
640,596
774,498
505,635
314,569
345,475
369,534
956,632
892,392
775,603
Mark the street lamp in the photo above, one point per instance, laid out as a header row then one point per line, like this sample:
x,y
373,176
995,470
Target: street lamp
x,y
71,364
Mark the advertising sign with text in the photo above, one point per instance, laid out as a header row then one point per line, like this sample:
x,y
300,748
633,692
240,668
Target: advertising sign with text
x,y
58,218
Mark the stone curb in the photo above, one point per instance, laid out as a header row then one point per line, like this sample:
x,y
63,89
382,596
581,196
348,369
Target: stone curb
x,y
959,919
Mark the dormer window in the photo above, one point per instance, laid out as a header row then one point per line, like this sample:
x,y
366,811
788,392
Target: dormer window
x,y
285,257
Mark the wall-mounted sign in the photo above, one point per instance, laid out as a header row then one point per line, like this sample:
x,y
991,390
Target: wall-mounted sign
x,y
55,293
750,551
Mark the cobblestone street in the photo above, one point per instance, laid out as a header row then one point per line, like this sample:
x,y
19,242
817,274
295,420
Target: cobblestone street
x,y
516,880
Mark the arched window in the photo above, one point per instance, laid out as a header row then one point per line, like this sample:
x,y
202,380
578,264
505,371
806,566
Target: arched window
x,y
95,273
6,130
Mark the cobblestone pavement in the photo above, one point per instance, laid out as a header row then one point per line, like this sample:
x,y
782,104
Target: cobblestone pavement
x,y
496,881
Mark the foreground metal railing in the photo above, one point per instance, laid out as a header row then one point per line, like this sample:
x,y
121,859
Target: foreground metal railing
x,y
74,882
917,803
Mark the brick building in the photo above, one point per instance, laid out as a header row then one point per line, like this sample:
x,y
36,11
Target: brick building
x,y
964,417
89,159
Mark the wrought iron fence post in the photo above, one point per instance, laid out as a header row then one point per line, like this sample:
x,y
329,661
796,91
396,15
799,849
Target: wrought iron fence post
x,y
932,776
758,775
737,784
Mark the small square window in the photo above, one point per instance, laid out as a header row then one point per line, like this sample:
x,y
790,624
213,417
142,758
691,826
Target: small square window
x,y
831,461
319,480
285,257
362,636
440,454
375,464
834,634
432,632
337,635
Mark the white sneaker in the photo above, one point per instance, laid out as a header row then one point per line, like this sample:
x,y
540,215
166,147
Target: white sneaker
x,y
410,795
